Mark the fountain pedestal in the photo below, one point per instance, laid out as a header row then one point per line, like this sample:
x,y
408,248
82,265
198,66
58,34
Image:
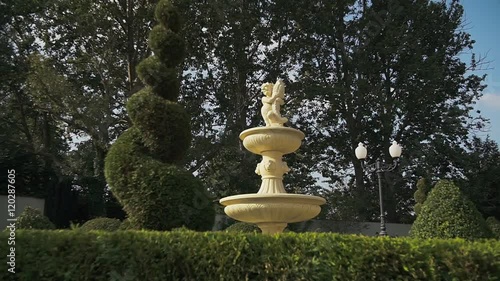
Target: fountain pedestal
x,y
271,208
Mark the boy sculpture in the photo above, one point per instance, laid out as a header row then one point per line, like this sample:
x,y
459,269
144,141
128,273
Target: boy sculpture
x,y
274,98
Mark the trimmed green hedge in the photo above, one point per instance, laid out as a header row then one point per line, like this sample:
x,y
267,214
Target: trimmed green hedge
x,y
188,255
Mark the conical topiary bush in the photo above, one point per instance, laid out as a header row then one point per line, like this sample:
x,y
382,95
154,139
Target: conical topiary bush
x,y
447,213
142,165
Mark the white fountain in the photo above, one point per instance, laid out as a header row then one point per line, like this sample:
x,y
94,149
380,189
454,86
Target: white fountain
x,y
272,208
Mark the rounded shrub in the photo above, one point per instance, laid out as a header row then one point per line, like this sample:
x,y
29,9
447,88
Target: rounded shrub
x,y
32,218
141,167
243,227
447,213
106,224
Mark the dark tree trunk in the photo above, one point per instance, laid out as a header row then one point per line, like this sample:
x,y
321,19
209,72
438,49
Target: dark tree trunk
x,y
97,187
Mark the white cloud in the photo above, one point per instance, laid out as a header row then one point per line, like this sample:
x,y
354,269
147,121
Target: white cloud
x,y
490,100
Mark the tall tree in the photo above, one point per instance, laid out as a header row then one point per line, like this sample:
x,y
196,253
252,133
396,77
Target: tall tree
x,y
481,181
358,70
86,70
233,47
371,71
376,71
32,140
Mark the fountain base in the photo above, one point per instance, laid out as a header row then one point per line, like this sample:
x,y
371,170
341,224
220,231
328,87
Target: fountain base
x,y
272,227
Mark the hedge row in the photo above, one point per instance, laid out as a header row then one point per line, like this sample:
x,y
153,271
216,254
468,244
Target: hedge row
x,y
185,255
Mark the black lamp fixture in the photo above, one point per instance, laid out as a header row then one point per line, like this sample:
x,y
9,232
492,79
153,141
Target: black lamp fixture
x,y
379,167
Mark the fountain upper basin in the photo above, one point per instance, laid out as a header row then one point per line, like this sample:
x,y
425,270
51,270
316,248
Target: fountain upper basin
x,y
272,208
283,139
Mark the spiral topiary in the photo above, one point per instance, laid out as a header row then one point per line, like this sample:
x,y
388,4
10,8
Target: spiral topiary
x,y
142,166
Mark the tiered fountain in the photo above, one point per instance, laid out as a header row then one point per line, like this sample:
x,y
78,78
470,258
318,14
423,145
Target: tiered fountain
x,y
272,208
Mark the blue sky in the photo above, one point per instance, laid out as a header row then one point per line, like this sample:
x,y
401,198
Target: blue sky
x,y
482,18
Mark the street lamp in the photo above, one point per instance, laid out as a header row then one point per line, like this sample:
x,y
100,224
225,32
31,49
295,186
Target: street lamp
x,y
379,168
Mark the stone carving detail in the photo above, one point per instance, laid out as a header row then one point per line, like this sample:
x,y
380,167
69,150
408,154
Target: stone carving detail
x,y
272,102
257,169
270,166
285,167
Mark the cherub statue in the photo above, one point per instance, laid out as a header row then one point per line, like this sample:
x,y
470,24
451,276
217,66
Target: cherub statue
x,y
271,103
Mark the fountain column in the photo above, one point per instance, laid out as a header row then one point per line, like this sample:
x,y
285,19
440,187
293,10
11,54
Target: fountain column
x,y
271,170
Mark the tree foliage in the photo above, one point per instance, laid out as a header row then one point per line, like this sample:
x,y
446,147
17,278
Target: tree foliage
x,y
356,70
371,71
142,165
447,213
386,77
481,169
32,141
228,57
69,66
87,70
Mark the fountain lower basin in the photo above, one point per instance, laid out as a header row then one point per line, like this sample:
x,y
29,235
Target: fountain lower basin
x,y
272,212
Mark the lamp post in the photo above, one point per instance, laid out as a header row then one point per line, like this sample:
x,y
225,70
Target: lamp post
x,y
379,167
